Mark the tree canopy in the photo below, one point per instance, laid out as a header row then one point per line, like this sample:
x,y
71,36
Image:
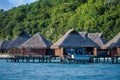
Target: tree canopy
x,y
52,18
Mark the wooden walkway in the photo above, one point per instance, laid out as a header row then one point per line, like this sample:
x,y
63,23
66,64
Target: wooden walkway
x,y
108,59
94,59
48,59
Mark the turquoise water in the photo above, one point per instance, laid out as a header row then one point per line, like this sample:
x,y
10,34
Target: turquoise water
x,y
57,71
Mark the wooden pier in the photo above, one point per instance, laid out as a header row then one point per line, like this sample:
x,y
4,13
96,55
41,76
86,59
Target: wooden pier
x,y
30,58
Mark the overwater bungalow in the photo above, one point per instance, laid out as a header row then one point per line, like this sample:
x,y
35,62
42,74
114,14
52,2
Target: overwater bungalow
x,y
36,45
113,46
73,43
13,46
3,46
89,43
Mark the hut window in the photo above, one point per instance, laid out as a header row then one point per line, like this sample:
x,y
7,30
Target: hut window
x,y
70,51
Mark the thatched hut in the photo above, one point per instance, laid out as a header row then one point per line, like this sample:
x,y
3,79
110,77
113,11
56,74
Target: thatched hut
x,y
13,46
91,42
113,46
73,43
36,45
3,46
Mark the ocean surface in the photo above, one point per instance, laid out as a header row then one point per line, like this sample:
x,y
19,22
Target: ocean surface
x,y
58,71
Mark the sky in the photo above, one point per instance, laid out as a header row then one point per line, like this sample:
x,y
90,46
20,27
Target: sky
x,y
8,4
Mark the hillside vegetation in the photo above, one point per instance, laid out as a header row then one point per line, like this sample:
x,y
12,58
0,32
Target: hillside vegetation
x,y
52,18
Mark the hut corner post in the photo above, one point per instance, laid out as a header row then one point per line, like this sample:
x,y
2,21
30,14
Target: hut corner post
x,y
62,59
118,51
95,52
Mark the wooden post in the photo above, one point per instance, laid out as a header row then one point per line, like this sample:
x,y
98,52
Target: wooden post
x,y
112,60
116,60
10,59
7,59
50,59
18,59
33,60
97,60
118,51
23,59
104,59
42,58
28,59
39,59
95,51
46,58
107,60
62,51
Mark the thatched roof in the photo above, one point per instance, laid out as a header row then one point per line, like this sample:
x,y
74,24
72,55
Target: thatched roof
x,y
37,41
88,41
97,38
72,39
4,44
19,40
115,42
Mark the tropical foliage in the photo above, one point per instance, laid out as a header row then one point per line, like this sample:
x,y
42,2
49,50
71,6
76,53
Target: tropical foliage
x,y
53,18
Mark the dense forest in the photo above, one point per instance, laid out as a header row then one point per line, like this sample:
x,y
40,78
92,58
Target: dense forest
x,y
52,18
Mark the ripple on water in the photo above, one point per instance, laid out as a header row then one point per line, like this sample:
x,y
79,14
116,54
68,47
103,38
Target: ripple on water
x,y
55,71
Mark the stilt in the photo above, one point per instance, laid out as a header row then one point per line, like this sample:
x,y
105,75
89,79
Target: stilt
x,y
99,60
116,60
69,61
46,58
39,59
42,58
22,59
107,60
104,59
50,59
7,59
18,59
33,60
112,60
96,60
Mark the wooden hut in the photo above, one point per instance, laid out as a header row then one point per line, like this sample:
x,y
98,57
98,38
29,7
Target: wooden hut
x,y
113,46
73,43
3,46
90,44
36,45
13,46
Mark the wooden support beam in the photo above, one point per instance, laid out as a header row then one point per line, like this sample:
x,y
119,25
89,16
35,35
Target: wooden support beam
x,y
95,51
